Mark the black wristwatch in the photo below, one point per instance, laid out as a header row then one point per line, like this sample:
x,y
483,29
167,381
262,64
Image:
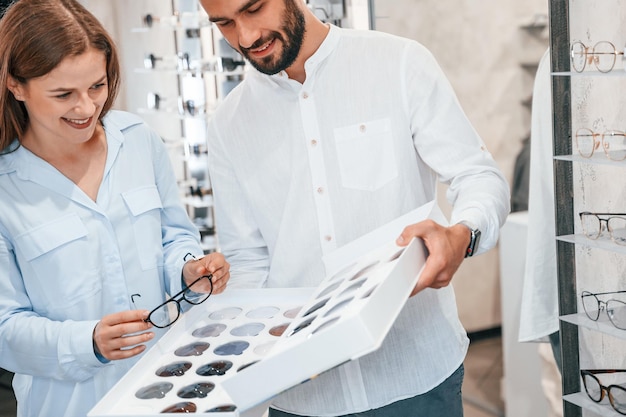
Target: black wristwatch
x,y
474,239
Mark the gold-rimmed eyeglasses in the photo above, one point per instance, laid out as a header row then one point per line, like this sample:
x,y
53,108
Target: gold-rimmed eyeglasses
x,y
615,309
613,143
615,224
596,391
602,55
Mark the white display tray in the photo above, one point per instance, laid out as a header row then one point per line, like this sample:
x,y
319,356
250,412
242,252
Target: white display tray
x,y
347,316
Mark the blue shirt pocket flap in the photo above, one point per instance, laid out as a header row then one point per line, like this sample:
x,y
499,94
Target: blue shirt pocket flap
x,y
143,199
46,237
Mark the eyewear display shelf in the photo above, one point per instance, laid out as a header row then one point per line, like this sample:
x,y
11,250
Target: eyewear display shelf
x,y
230,355
571,20
187,86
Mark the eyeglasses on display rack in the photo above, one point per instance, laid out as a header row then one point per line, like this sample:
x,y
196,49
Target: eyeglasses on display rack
x,y
596,391
615,309
602,55
167,313
615,224
613,143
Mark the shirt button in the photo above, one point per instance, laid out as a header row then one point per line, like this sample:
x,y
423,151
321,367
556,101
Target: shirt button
x,y
305,95
362,128
320,190
313,143
328,238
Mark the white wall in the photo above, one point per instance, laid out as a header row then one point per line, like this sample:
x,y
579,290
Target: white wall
x,y
480,46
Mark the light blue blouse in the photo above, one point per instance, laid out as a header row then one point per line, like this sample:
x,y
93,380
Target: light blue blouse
x,y
66,261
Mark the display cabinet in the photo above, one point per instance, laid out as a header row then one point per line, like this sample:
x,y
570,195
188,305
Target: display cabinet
x,y
186,69
189,81
588,81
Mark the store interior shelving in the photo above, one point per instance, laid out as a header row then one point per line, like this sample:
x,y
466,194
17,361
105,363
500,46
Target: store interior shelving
x,y
189,83
589,99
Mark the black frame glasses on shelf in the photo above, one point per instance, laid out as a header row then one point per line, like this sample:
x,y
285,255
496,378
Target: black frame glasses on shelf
x,y
163,316
603,55
596,391
613,143
615,225
615,309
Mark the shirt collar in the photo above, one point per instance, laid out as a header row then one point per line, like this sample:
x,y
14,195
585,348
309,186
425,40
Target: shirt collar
x,y
311,65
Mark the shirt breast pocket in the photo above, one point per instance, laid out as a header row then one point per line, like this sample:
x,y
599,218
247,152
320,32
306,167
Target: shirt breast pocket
x,y
56,253
144,205
366,155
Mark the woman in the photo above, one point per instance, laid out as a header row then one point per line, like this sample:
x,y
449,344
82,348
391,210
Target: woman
x,y
92,232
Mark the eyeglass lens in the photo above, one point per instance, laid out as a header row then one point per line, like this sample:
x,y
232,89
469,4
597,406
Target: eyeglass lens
x,y
615,309
615,225
602,55
613,143
617,394
168,312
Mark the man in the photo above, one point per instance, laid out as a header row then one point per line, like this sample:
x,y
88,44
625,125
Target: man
x,y
336,133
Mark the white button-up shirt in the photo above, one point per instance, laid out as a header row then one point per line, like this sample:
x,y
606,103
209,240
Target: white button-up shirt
x,y
66,261
302,169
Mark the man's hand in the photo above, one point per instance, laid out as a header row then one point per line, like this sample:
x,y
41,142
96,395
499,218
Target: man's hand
x,y
446,250
115,336
211,264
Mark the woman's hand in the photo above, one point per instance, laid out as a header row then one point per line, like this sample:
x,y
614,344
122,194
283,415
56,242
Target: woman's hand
x,y
212,264
121,335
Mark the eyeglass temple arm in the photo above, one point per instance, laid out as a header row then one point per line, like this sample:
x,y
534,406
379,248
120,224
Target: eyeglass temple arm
x,y
603,371
602,293
601,214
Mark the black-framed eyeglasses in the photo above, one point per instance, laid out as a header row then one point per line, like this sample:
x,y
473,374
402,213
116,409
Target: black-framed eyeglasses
x,y
615,309
602,55
167,313
596,391
615,224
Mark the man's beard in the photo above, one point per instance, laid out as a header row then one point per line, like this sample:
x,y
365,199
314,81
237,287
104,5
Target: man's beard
x,y
294,30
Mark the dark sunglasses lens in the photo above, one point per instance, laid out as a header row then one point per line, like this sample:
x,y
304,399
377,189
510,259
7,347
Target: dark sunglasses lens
x,y
222,409
185,407
217,368
157,390
192,349
174,369
197,390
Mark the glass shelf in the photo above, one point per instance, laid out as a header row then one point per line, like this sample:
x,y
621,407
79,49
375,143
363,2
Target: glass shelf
x,y
175,113
597,158
199,202
189,72
582,400
616,72
603,325
601,243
